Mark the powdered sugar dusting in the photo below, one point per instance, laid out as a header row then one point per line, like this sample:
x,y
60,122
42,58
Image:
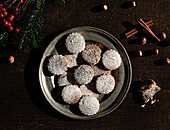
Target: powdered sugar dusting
x,y
111,59
66,78
105,84
72,60
89,105
87,92
98,71
84,74
92,54
71,94
63,81
75,43
57,64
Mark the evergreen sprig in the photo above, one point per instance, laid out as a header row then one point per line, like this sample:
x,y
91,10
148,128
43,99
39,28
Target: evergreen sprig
x,y
3,38
35,23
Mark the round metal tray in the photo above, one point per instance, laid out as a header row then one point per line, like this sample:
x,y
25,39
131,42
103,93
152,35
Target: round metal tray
x,y
122,75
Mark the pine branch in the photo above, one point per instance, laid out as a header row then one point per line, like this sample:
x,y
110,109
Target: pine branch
x,y
3,38
35,23
25,38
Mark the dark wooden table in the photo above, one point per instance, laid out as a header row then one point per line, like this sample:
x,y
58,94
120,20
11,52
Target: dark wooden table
x,y
22,104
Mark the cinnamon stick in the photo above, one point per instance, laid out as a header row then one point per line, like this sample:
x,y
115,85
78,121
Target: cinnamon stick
x,y
134,31
146,27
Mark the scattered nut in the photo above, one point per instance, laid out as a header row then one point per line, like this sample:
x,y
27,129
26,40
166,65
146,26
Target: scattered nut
x,y
168,61
139,53
143,40
163,35
133,3
11,59
156,51
105,7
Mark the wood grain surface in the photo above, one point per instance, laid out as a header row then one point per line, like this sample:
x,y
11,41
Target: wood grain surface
x,y
22,104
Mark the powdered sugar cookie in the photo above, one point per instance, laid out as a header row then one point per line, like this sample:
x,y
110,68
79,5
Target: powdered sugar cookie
x,y
111,59
65,79
57,64
91,54
71,94
84,74
72,60
148,88
87,92
62,81
105,84
89,105
98,71
75,43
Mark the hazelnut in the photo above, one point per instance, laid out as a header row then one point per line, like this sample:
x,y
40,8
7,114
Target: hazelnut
x,y
168,61
139,52
143,40
11,59
133,3
105,7
163,35
156,51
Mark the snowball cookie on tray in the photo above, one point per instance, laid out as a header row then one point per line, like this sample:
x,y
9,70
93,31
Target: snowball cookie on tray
x,y
87,92
84,74
75,43
72,60
57,64
105,84
98,71
111,59
66,78
89,105
92,54
71,94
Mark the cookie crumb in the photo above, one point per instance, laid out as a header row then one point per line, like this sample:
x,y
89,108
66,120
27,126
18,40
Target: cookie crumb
x,y
153,101
143,105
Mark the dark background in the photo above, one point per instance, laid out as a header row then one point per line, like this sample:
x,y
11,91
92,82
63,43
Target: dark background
x,y
22,104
